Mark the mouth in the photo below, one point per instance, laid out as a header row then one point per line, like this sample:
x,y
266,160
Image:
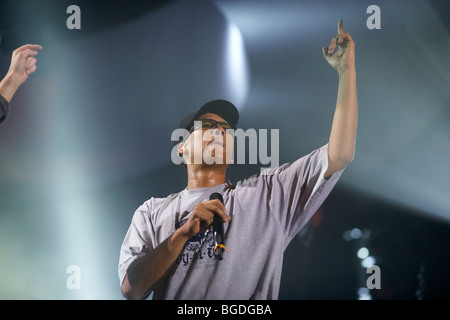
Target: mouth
x,y
216,143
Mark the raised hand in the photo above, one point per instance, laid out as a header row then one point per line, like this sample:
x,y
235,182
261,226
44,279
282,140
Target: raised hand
x,y
23,62
344,57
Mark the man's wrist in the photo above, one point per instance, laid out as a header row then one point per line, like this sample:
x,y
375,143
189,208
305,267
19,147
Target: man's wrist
x,y
179,237
9,86
346,70
13,79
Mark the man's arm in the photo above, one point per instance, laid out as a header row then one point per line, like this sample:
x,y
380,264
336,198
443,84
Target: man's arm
x,y
23,63
147,273
341,147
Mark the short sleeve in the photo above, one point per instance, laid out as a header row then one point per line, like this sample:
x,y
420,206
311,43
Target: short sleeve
x,y
299,189
138,240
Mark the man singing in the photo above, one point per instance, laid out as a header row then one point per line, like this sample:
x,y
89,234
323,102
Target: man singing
x,y
23,63
169,247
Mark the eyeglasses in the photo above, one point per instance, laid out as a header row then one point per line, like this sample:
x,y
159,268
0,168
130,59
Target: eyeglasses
x,y
210,124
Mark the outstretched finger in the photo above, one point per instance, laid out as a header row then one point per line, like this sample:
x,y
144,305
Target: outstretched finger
x,y
29,53
34,47
341,27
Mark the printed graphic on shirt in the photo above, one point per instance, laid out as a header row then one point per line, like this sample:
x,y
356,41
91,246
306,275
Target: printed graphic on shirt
x,y
198,251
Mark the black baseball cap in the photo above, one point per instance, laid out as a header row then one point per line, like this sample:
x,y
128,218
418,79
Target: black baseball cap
x,y
222,108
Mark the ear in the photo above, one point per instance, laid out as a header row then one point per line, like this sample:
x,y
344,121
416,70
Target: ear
x,y
181,149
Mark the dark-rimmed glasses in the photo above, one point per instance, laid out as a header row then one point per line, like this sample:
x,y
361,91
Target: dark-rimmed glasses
x,y
210,124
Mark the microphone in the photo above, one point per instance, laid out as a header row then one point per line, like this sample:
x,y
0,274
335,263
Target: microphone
x,y
217,227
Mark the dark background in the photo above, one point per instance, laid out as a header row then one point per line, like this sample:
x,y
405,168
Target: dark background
x,y
88,138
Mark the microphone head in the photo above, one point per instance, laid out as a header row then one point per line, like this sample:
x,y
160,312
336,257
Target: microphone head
x,y
216,195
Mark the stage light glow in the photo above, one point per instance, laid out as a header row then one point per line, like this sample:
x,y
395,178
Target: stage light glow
x,y
368,261
69,179
355,233
364,294
362,253
236,66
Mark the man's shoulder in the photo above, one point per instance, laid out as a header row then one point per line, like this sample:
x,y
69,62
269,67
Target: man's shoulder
x,y
154,203
262,175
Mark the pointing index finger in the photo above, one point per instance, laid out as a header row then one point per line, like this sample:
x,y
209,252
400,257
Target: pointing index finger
x,y
341,27
34,47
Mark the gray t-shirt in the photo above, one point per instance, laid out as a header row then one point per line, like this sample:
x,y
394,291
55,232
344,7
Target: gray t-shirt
x,y
267,211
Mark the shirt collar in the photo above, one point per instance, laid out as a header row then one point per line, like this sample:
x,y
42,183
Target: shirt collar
x,y
200,191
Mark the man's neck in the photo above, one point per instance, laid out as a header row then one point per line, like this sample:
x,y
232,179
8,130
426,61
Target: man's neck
x,y
205,177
